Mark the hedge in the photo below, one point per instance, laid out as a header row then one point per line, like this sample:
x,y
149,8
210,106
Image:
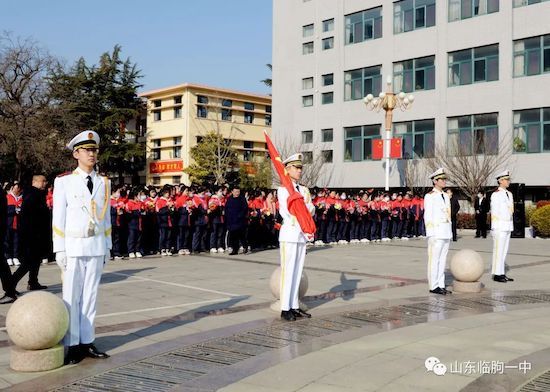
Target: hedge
x,y
540,221
542,203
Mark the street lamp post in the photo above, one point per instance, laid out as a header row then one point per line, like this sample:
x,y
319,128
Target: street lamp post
x,y
388,101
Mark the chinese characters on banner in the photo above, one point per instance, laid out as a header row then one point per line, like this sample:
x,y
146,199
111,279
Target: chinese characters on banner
x,y
165,166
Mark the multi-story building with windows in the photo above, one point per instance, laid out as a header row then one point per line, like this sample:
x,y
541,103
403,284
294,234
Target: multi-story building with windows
x,y
479,71
179,116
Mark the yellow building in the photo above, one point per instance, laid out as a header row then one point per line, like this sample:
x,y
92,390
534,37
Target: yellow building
x,y
178,116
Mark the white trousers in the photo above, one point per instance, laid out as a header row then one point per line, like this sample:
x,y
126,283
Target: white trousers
x,y
501,240
293,255
437,259
80,286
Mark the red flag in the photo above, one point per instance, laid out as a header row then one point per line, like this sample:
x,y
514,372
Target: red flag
x,y
377,149
396,148
296,204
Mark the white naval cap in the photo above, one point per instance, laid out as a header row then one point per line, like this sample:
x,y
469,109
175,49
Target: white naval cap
x,y
294,160
505,175
85,139
439,173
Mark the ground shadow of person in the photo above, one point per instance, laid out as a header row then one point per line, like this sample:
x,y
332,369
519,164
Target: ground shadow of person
x,y
345,289
108,342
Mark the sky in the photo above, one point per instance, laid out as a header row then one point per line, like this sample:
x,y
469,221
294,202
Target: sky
x,y
221,43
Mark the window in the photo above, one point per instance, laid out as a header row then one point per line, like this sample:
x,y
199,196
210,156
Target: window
x,y
532,56
248,144
156,155
227,103
176,152
328,43
177,140
328,25
307,157
156,180
410,15
307,100
248,155
364,25
156,143
473,65
328,79
248,118
157,103
464,9
268,109
177,112
418,138
327,156
202,99
202,111
473,134
360,82
307,83
227,114
176,180
308,30
307,137
327,98
414,75
521,3
326,135
177,100
358,142
268,119
156,115
248,106
532,130
307,48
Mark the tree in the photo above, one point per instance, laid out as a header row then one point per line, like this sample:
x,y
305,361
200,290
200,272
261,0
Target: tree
x,y
469,171
31,137
213,157
268,81
255,174
104,98
414,174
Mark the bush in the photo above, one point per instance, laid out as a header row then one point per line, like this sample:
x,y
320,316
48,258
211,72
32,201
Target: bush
x,y
542,203
466,221
541,221
528,214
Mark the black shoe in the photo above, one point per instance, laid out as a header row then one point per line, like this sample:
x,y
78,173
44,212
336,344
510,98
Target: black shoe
x,y
233,253
508,279
446,291
477,236
90,351
288,315
37,286
500,278
438,290
245,250
300,313
7,299
74,355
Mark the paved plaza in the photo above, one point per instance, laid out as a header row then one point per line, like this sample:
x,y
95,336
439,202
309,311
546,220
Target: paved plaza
x,y
204,323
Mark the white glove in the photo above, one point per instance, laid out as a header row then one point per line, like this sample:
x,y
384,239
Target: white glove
x,y
61,260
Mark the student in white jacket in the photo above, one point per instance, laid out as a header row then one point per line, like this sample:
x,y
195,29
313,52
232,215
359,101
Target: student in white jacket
x,y
292,243
502,225
437,219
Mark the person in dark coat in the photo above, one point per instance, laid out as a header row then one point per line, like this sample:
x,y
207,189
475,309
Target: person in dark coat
x,y
455,207
5,273
34,226
236,211
481,205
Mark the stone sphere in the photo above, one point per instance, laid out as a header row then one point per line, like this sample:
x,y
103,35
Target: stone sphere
x,y
467,265
275,284
37,321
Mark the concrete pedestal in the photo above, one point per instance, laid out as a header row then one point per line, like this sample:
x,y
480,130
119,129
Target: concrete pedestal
x,y
22,360
466,287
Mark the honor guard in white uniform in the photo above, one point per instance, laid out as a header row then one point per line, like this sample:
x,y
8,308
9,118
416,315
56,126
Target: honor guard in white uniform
x,y
437,219
502,225
292,242
81,241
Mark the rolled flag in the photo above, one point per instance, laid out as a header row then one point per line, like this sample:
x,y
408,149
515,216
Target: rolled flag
x,y
296,203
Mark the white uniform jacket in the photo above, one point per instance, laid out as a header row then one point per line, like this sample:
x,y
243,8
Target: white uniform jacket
x,y
290,229
437,215
502,210
81,221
